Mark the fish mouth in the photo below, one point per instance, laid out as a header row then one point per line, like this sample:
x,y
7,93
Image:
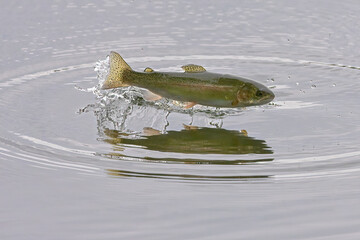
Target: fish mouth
x,y
270,96
261,96
267,96
267,99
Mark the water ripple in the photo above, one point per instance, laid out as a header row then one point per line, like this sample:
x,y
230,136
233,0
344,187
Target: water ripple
x,y
151,140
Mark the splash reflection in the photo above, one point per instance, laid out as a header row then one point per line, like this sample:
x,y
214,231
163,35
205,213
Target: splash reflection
x,y
139,133
126,126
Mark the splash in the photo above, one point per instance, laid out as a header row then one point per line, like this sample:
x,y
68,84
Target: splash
x,y
102,68
134,95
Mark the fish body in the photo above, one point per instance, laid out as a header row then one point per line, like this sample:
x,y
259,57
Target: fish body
x,y
195,85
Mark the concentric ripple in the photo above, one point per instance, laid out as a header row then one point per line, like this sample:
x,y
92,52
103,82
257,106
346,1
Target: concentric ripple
x,y
117,133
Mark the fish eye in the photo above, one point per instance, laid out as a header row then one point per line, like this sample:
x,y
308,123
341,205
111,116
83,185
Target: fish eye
x,y
259,93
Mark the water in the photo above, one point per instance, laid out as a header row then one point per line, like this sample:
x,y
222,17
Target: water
x,y
81,164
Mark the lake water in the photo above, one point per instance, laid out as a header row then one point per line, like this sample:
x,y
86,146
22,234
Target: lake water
x,y
77,163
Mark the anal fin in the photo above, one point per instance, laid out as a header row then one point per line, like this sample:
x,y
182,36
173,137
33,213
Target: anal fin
x,y
150,96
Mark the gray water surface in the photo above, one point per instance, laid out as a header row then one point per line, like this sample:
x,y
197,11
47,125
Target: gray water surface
x,y
79,164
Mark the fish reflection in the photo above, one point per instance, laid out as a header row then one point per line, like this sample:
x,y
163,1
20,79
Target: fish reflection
x,y
193,140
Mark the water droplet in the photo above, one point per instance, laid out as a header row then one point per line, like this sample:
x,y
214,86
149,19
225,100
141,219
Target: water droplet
x,y
297,84
334,85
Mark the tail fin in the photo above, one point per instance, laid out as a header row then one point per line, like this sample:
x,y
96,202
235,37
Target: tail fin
x,y
117,67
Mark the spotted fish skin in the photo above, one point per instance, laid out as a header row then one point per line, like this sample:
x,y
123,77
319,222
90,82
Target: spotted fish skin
x,y
195,85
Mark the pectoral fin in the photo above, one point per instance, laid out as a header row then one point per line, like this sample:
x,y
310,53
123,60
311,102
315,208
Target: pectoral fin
x,y
235,103
150,96
190,105
192,68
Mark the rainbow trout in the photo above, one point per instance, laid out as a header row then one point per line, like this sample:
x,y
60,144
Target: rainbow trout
x,y
194,86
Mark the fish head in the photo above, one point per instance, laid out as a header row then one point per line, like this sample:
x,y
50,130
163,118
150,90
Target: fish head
x,y
253,93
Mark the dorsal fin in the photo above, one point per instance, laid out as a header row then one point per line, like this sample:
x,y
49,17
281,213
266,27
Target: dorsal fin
x,y
148,69
192,68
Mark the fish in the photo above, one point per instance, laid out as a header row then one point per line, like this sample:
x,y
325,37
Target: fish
x,y
193,86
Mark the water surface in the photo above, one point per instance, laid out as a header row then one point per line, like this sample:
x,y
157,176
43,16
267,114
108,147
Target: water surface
x,y
81,164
